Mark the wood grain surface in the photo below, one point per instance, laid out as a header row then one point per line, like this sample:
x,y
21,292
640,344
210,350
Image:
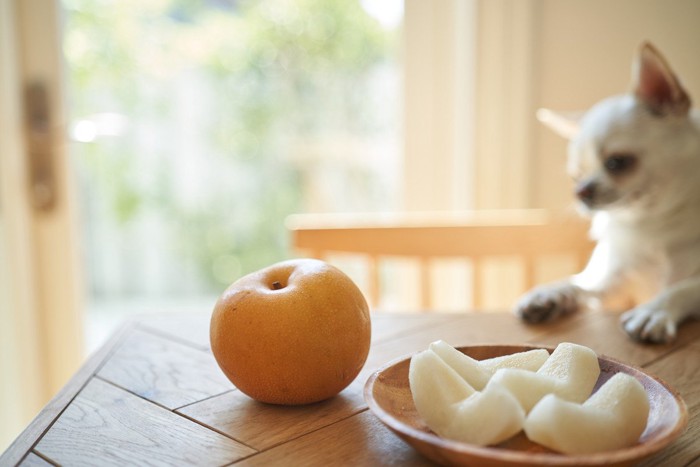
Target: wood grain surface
x,y
107,423
155,396
164,371
683,368
33,460
262,425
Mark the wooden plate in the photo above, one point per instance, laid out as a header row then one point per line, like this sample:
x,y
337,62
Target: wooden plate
x,y
389,397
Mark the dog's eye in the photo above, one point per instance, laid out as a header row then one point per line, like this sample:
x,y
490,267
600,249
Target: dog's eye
x,y
619,163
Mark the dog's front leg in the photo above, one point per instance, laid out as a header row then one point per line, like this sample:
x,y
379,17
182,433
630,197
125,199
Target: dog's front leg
x,y
601,283
550,301
656,321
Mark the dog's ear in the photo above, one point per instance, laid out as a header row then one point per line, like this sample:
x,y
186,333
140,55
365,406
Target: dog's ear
x,y
565,124
656,85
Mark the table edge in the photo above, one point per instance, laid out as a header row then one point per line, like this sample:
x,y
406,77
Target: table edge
x,y
27,439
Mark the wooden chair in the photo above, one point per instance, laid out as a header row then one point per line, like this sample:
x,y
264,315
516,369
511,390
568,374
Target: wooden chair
x,y
476,235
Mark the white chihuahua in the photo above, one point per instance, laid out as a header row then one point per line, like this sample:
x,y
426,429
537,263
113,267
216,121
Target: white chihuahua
x,y
635,160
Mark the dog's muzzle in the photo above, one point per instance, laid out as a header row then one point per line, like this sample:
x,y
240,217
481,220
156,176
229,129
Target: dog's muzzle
x,y
586,192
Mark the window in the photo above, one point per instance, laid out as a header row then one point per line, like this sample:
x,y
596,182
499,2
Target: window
x,y
197,127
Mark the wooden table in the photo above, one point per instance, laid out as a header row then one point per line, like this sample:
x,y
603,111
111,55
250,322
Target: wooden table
x,y
153,395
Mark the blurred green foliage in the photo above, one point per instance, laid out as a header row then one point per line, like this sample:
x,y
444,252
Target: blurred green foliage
x,y
268,69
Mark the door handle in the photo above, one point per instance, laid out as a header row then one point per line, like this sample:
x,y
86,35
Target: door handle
x,y
40,139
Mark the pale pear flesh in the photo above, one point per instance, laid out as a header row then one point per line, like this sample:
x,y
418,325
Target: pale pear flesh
x,y
478,372
570,372
530,360
486,402
612,418
468,368
455,410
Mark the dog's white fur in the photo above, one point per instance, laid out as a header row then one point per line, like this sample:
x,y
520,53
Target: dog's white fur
x,y
645,207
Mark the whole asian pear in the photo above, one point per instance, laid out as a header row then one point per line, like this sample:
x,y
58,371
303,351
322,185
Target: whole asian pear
x,y
295,332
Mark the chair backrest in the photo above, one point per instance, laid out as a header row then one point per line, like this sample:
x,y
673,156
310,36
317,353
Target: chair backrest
x,y
476,235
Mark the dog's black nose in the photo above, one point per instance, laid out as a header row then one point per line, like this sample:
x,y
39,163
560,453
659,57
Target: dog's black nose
x,y
586,191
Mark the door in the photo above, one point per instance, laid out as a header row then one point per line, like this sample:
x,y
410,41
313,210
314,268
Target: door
x,y
40,336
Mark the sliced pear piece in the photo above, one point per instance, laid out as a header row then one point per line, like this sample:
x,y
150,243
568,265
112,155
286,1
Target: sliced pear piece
x,y
469,369
531,360
435,388
612,418
570,372
478,372
455,410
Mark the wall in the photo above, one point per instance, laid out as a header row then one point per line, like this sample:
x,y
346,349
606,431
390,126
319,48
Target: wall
x,y
584,52
476,71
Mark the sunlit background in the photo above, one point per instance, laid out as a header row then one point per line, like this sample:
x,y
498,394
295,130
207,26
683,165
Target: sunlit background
x,y
197,127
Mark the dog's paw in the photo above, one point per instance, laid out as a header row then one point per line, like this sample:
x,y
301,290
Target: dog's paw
x,y
548,302
649,324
